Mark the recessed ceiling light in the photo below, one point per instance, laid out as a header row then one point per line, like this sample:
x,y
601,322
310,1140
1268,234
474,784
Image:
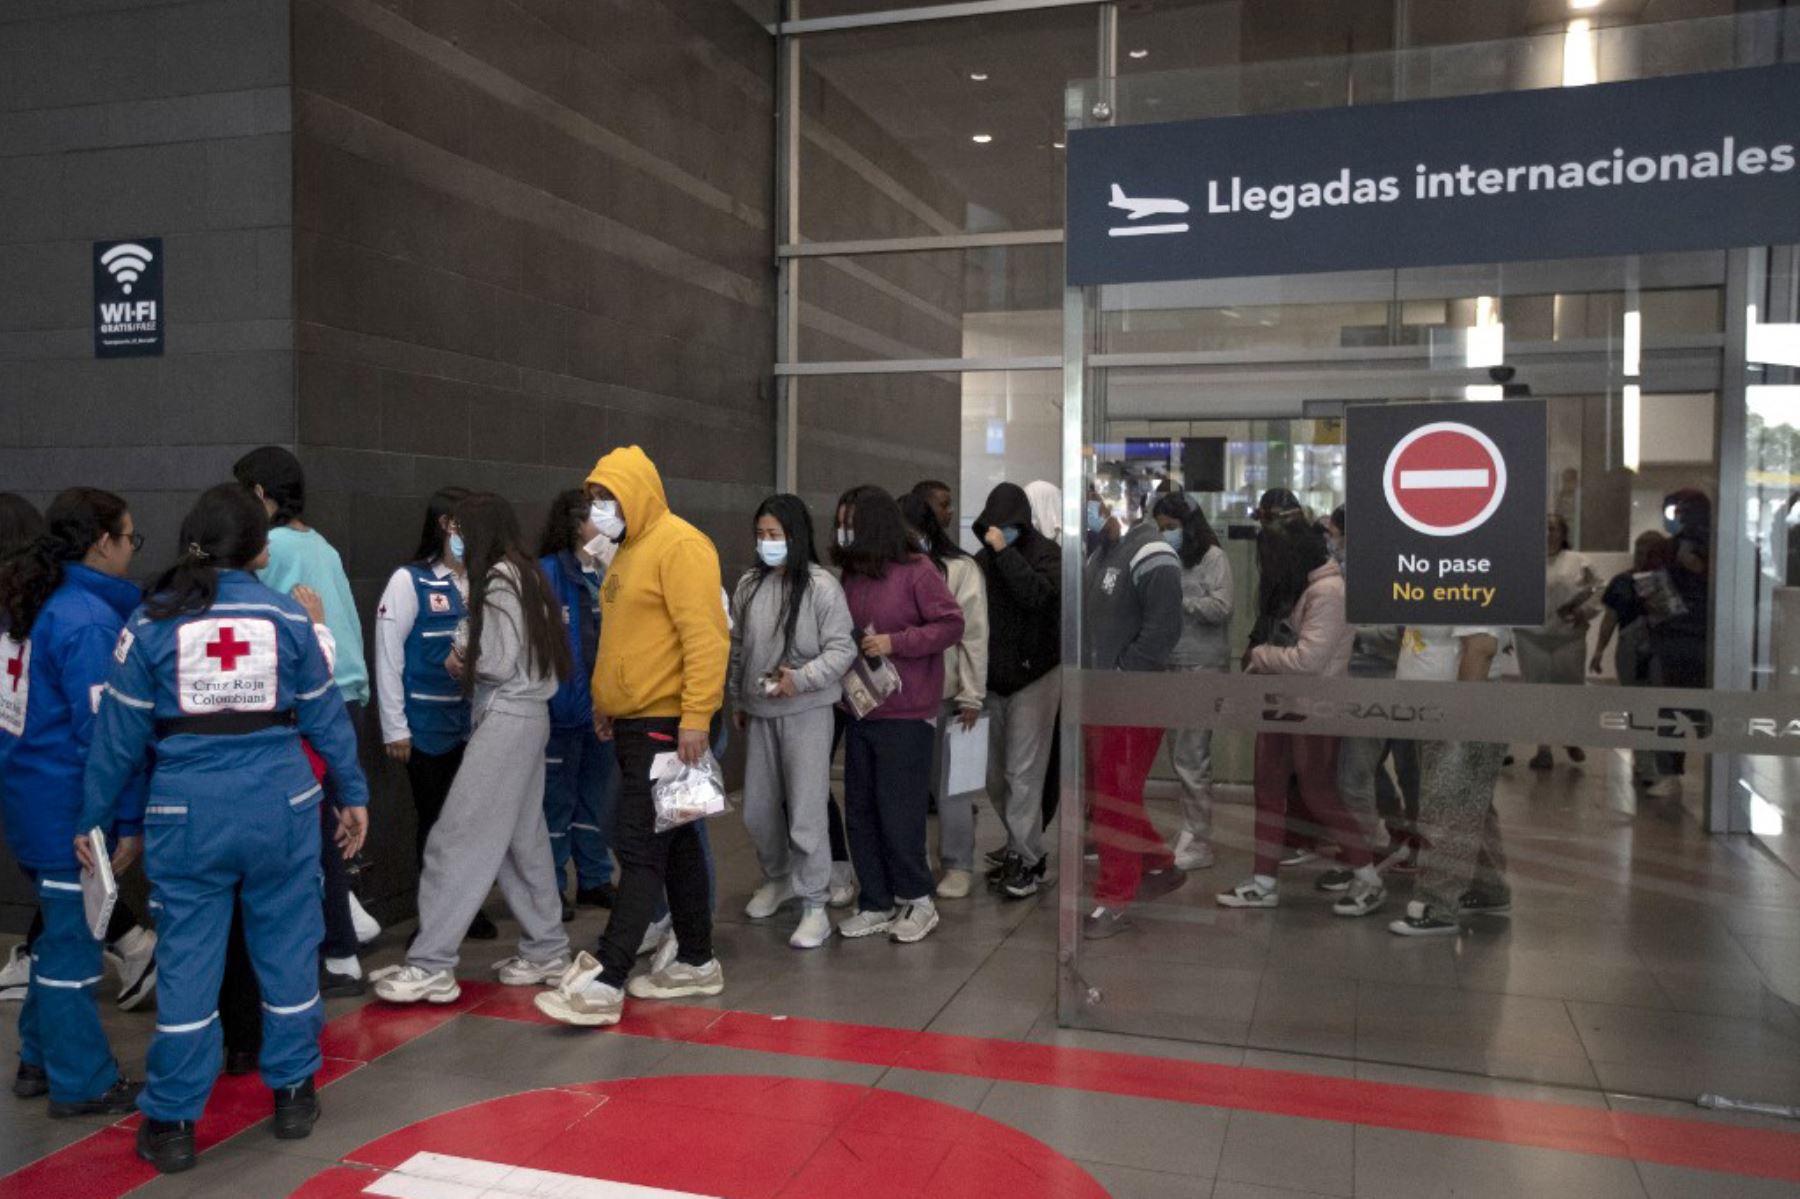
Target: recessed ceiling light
x,y
982,139
1138,53
978,76
1060,145
1585,5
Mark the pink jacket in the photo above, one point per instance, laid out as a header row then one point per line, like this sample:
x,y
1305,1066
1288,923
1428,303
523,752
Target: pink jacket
x,y
1325,640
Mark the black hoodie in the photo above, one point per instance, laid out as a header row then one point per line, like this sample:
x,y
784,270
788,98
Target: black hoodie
x,y
1024,589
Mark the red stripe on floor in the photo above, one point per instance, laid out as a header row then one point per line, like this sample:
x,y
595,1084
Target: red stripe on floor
x,y
1695,1144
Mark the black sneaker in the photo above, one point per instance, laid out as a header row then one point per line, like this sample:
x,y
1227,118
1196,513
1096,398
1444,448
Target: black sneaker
x,y
239,1062
31,1082
1420,922
1480,903
120,1099
1104,922
1008,864
1335,881
296,1111
1020,881
482,929
167,1144
996,856
603,896
333,985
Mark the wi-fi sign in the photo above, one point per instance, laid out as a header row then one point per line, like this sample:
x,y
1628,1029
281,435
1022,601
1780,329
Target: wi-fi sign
x,y
127,263
128,298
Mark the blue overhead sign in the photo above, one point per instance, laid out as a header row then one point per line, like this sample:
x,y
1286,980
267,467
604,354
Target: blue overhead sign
x,y
1680,163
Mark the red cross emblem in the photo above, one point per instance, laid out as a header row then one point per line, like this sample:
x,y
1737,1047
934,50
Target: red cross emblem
x,y
15,669
227,649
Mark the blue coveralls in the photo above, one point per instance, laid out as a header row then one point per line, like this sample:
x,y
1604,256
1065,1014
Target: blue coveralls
x,y
50,687
225,695
581,772
437,713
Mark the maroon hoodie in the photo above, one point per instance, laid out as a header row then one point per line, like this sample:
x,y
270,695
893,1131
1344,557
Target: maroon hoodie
x,y
912,604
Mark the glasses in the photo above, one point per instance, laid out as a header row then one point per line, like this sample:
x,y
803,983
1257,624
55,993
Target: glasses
x,y
136,540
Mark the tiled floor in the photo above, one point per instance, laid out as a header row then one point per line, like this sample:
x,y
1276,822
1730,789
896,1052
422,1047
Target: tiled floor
x,y
1645,962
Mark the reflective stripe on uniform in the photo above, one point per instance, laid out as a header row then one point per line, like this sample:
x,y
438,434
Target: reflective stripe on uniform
x,y
64,983
297,618
50,884
301,798
435,699
316,692
164,810
196,1026
130,701
290,1011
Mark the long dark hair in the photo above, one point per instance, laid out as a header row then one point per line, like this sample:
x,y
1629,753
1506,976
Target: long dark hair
x,y
789,511
20,523
562,524
879,530
922,520
431,534
1197,536
1289,549
225,530
491,538
278,473
77,519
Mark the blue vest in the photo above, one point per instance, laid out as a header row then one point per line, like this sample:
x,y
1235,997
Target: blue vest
x,y
436,712
578,597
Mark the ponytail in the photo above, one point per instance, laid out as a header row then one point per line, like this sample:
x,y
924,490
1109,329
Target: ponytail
x,y
226,530
77,519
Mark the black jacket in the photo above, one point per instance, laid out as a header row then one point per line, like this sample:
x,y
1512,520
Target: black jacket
x,y
1132,603
1024,589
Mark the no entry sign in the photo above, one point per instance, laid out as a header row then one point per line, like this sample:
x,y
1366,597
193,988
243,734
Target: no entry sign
x,y
1446,513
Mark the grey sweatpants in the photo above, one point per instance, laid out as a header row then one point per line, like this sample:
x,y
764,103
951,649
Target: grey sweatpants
x,y
1020,726
1459,824
492,829
787,797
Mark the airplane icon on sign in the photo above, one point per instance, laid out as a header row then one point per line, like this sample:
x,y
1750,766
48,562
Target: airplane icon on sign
x,y
1138,209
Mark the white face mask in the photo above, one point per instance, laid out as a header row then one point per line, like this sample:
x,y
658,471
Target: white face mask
x,y
604,514
845,538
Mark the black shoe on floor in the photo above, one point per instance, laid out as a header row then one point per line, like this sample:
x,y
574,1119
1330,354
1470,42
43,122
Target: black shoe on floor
x,y
1020,881
1009,864
603,896
482,929
31,1082
333,985
239,1062
996,856
568,911
167,1144
296,1111
120,1099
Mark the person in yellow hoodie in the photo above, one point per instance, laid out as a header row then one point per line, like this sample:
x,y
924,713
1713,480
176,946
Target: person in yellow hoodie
x,y
659,678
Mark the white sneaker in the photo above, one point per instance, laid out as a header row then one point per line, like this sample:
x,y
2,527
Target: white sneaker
x,y
843,885
678,980
956,884
15,976
1192,853
411,984
134,957
1362,899
916,921
1248,894
769,897
1666,787
580,998
653,936
666,951
518,972
367,927
866,924
814,930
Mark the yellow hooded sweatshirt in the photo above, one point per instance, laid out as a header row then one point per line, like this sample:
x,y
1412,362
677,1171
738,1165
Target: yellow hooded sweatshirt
x,y
663,638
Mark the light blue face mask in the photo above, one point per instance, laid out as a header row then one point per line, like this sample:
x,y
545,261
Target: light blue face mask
x,y
456,547
1010,533
1173,537
1093,516
772,553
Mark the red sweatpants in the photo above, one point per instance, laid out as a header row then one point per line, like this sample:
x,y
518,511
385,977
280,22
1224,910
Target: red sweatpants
x,y
1118,762
1311,762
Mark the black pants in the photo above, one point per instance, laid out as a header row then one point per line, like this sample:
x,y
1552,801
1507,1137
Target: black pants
x,y
652,863
430,776
1053,774
834,816
887,781
340,929
240,996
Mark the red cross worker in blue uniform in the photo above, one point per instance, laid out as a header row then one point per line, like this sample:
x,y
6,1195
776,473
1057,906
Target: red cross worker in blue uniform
x,y
222,677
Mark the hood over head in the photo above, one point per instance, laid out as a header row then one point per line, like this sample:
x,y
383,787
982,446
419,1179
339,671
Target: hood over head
x,y
630,475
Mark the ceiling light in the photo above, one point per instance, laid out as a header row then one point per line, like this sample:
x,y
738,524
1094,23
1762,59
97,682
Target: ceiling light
x,y
1060,145
1138,53
1585,5
978,76
982,139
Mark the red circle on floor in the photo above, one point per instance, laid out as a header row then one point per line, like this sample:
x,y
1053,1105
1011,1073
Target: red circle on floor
x,y
724,1136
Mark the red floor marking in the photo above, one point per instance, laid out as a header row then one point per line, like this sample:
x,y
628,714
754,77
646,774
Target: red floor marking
x,y
1696,1144
763,1137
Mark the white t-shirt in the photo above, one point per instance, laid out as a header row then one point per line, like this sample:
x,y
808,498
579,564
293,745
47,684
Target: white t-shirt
x,y
1432,654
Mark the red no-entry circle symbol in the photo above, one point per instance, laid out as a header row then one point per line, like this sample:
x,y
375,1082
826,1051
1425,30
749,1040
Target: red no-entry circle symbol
x,y
1445,478
688,1136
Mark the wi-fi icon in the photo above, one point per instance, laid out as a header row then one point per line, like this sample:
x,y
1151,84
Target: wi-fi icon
x,y
127,263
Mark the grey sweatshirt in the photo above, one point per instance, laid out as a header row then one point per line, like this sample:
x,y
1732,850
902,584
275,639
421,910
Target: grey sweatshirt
x,y
505,681
824,644
1206,604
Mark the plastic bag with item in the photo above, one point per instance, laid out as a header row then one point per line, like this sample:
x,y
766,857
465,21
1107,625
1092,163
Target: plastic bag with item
x,y
683,794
